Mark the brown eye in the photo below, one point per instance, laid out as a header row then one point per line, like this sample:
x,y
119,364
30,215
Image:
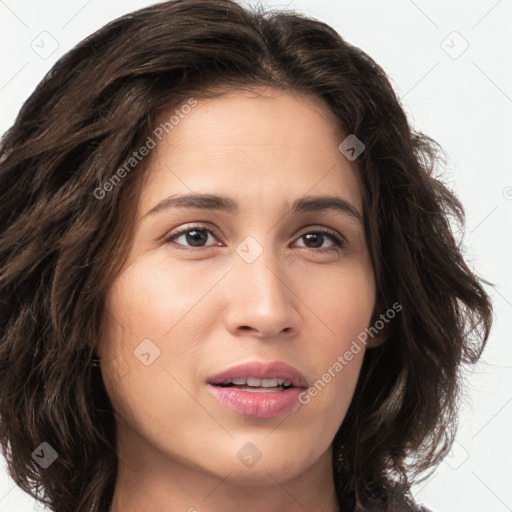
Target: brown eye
x,y
191,237
316,239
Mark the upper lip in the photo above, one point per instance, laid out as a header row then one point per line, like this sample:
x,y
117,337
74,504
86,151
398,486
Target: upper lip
x,y
271,370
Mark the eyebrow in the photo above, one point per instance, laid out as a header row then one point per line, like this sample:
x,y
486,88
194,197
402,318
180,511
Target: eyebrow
x,y
228,205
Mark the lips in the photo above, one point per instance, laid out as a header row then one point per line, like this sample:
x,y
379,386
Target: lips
x,y
257,374
258,390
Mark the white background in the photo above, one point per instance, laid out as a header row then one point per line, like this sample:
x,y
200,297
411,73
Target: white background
x,y
463,99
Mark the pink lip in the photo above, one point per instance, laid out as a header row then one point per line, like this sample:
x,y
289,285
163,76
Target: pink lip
x,y
259,405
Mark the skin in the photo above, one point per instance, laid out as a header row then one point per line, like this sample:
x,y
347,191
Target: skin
x,y
207,309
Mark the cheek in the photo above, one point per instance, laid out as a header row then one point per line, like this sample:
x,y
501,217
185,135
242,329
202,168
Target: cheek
x,y
166,306
343,302
153,303
342,299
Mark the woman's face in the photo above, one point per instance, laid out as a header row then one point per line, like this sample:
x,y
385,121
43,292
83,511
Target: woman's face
x,y
251,279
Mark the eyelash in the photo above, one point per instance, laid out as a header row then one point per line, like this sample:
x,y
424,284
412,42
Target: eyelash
x,y
338,242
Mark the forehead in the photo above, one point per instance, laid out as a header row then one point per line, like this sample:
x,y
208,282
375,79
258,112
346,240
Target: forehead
x,y
278,113
266,145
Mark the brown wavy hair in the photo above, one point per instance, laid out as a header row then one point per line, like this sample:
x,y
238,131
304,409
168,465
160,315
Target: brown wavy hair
x,y
61,246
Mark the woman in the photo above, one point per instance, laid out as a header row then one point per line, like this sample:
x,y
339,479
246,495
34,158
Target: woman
x,y
228,276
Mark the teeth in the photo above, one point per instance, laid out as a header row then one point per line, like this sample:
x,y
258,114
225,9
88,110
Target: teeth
x,y
258,383
261,390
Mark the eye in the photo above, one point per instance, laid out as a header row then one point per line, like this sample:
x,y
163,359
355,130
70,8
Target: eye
x,y
316,238
194,236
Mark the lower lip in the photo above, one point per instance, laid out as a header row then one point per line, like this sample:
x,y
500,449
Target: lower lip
x,y
257,405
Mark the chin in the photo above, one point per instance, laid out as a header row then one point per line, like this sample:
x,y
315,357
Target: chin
x,y
248,465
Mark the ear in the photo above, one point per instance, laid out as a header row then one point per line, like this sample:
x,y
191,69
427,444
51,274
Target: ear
x,y
378,330
377,340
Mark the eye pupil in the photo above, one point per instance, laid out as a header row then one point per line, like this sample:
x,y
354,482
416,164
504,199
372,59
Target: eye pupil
x,y
197,237
316,238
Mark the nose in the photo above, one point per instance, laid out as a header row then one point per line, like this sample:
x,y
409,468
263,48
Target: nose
x,y
260,297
